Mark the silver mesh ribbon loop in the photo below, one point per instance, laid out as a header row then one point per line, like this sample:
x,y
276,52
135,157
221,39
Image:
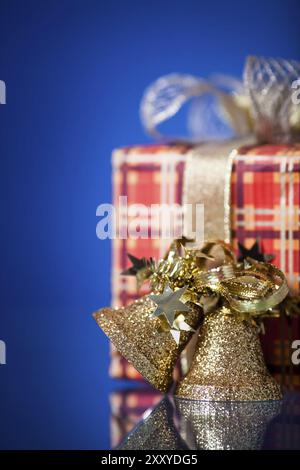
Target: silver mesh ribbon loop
x,y
270,84
166,96
265,104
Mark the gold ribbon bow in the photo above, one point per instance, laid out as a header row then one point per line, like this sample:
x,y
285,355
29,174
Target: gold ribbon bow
x,y
250,290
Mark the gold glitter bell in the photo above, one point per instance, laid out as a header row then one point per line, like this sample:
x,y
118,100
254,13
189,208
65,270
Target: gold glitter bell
x,y
138,337
228,363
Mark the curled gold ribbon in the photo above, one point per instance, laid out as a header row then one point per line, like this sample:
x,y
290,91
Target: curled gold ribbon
x,y
252,287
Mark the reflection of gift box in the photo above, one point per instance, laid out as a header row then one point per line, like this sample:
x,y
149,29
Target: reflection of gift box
x,y
127,408
264,204
284,432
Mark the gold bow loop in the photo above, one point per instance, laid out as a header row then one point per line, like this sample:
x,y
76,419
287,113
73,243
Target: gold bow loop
x,y
246,290
251,289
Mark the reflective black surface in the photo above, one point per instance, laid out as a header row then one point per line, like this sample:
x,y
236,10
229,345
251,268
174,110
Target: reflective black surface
x,y
175,424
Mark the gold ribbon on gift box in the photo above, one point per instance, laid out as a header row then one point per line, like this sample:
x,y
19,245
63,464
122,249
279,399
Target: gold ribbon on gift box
x,y
259,109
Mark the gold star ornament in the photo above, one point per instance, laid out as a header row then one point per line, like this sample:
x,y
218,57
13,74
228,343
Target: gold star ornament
x,y
168,303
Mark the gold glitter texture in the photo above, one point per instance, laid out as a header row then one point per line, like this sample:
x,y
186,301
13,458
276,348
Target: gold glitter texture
x,y
139,338
227,425
228,363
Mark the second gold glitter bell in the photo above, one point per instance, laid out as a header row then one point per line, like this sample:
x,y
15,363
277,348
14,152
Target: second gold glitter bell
x,y
139,337
228,363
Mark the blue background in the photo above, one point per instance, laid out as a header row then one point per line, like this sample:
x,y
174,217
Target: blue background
x,y
75,72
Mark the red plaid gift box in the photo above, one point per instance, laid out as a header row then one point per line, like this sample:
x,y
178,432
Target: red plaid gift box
x,y
264,204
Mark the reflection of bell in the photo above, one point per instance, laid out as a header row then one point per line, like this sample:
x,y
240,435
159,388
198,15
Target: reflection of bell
x,y
228,363
138,337
227,425
156,431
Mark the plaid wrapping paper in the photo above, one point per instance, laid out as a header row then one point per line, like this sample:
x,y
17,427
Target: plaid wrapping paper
x,y
149,175
265,204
